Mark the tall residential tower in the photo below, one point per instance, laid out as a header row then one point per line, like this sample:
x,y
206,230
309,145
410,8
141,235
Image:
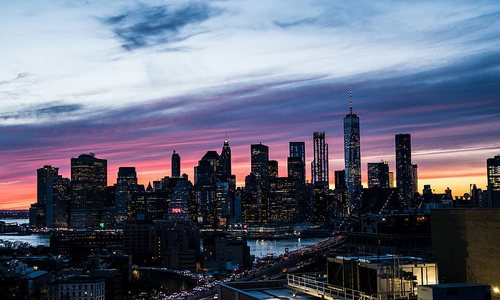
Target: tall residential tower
x,y
404,170
319,166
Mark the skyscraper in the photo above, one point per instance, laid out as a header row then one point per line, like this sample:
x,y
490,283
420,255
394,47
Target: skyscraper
x,y
44,176
206,174
260,163
298,149
378,175
319,166
273,169
295,167
127,176
176,165
352,155
225,160
53,195
493,173
340,180
404,169
88,181
414,178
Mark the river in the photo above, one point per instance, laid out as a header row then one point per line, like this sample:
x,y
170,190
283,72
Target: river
x,y
258,248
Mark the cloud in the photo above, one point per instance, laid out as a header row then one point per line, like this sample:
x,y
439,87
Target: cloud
x,y
147,25
288,24
41,111
18,77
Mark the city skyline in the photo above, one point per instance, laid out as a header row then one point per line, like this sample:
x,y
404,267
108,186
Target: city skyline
x,y
188,84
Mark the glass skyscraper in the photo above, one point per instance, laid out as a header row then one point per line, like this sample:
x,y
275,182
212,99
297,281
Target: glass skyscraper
x,y
352,156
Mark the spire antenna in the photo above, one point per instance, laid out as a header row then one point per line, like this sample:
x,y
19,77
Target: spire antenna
x,y
350,101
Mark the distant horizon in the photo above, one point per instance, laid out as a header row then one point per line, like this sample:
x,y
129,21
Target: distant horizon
x,y
133,81
240,178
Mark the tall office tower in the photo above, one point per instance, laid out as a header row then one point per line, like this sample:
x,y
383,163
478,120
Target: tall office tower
x,y
319,166
51,209
352,155
44,176
38,211
414,178
222,207
225,160
391,180
298,149
88,181
176,165
378,175
404,170
340,180
273,169
206,174
125,189
127,176
61,199
295,167
260,163
493,170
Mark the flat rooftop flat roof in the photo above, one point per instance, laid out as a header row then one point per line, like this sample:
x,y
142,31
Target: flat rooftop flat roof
x,y
266,290
456,285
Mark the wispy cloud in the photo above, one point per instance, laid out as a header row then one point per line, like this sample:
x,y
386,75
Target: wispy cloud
x,y
146,25
41,111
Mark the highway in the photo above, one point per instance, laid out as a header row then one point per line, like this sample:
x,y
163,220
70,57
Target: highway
x,y
272,269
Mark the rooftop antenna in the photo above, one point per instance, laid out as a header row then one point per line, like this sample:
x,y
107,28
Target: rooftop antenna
x,y
350,101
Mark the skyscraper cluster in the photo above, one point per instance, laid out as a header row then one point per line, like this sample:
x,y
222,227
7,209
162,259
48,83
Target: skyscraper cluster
x,y
212,199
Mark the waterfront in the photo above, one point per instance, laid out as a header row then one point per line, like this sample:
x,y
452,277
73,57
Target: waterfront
x,y
258,248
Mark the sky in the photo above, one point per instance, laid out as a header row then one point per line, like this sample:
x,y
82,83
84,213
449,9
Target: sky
x,y
134,80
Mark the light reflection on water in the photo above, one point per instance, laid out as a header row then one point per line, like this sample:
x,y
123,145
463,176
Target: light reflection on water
x,y
259,248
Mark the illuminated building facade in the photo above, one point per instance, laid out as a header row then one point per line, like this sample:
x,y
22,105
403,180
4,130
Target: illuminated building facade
x,y
404,169
88,181
352,156
378,175
319,166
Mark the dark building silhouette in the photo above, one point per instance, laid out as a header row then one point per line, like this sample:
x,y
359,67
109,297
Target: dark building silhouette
x,y
283,200
404,169
255,200
206,174
225,253
465,243
352,156
176,165
296,169
125,191
340,180
174,245
319,166
127,175
298,149
38,211
414,178
88,181
378,175
273,169
493,174
225,160
259,156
